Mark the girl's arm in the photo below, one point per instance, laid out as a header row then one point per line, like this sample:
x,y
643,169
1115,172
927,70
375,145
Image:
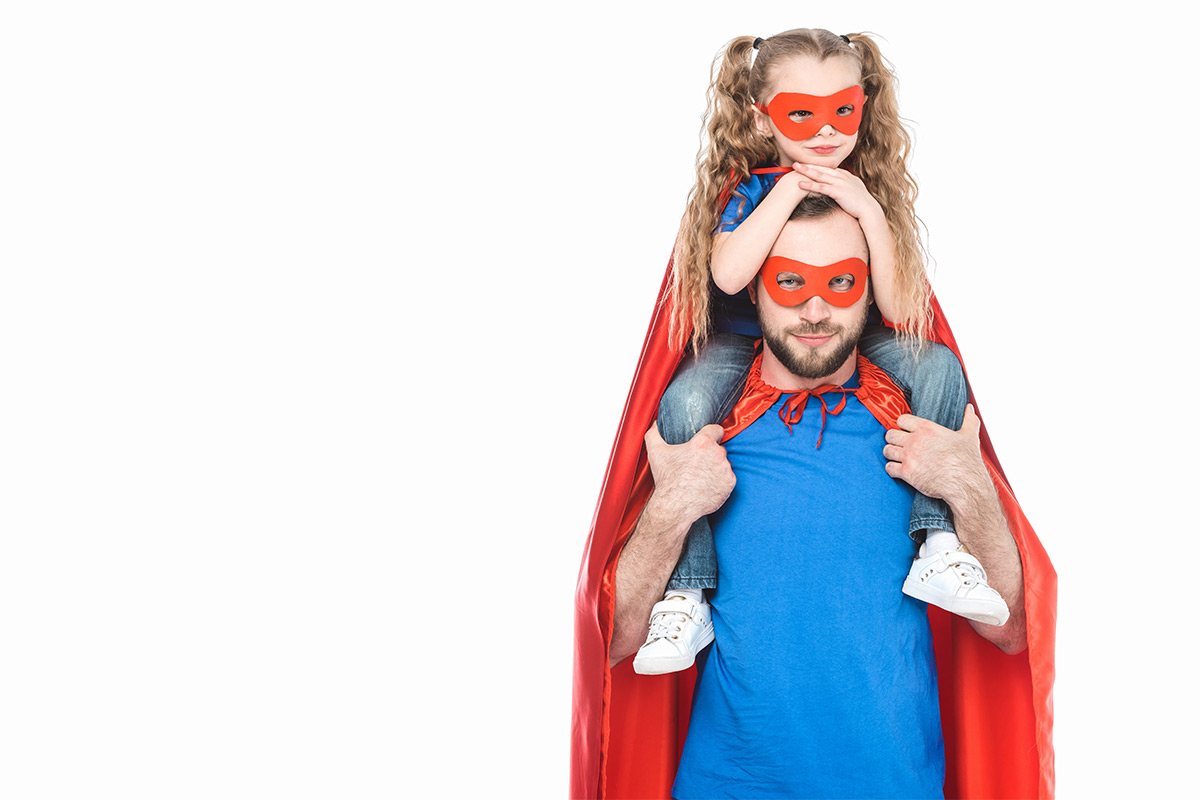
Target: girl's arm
x,y
851,194
738,255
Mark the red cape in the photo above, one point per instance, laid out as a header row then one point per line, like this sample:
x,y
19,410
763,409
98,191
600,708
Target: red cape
x,y
627,730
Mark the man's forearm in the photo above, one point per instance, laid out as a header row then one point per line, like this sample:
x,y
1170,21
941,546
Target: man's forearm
x,y
983,528
643,568
940,462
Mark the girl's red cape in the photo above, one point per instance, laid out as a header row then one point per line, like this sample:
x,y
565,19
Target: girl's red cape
x,y
627,730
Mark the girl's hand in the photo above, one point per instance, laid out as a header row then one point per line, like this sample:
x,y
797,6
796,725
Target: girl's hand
x,y
846,188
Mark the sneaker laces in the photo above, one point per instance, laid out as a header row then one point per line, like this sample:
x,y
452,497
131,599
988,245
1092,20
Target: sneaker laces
x,y
971,575
667,625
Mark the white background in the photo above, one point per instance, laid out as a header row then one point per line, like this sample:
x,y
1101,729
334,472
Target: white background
x,y
317,321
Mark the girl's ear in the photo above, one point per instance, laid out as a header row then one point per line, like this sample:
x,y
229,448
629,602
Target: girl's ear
x,y
762,123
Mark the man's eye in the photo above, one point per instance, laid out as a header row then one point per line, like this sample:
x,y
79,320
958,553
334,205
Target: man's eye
x,y
799,116
845,111
842,283
789,281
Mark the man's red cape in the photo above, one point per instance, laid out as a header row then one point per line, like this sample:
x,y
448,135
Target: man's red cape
x,y
627,730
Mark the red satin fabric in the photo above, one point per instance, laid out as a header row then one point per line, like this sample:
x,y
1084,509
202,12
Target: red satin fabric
x,y
628,730
881,397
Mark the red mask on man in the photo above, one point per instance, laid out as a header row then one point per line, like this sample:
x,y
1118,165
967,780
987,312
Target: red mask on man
x,y
793,283
842,110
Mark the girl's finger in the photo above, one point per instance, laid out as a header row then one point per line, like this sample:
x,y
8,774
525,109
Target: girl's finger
x,y
818,169
819,188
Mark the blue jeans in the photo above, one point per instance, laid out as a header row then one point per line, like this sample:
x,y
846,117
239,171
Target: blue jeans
x,y
704,390
934,383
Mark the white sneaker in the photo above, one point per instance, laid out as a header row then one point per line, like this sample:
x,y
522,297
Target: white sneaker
x,y
679,629
955,580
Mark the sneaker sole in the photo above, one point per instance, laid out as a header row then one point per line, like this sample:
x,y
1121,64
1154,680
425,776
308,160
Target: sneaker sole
x,y
665,666
976,610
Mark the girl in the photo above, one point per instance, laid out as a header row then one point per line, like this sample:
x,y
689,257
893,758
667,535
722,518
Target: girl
x,y
803,111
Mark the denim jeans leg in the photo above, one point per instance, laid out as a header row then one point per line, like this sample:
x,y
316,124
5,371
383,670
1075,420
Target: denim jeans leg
x,y
704,390
937,390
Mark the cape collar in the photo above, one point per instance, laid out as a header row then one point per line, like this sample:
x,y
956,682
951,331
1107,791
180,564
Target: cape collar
x,y
875,390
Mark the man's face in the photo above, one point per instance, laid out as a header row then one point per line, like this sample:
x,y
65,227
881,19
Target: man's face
x,y
816,339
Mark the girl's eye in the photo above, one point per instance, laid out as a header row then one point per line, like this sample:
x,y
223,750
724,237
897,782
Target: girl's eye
x,y
845,111
799,116
842,283
789,281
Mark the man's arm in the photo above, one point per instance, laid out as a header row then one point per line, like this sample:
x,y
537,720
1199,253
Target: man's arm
x,y
939,462
691,480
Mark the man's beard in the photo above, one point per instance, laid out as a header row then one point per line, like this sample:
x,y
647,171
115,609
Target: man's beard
x,y
805,362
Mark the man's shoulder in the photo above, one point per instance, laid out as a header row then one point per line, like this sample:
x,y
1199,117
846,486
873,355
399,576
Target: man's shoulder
x,y
879,393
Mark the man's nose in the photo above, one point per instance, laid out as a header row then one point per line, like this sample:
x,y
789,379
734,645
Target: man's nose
x,y
815,309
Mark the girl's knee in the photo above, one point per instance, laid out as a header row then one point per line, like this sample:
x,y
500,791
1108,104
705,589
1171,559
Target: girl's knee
x,y
685,408
938,362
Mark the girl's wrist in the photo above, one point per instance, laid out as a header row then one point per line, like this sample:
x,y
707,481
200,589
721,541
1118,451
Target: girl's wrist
x,y
791,181
873,215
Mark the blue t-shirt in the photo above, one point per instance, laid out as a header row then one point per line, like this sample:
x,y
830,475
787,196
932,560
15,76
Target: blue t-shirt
x,y
735,313
821,681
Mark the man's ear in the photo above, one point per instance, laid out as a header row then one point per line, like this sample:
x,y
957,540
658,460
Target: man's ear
x,y
762,123
752,288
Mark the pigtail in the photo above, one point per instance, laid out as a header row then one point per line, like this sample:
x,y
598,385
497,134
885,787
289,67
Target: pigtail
x,y
730,147
881,159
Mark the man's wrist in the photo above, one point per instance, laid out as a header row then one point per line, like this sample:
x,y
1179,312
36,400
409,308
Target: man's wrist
x,y
666,516
969,490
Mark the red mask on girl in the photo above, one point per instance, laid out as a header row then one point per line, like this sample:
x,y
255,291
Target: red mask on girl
x,y
842,110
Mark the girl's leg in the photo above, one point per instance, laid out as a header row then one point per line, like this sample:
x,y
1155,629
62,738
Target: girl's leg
x,y
706,387
704,390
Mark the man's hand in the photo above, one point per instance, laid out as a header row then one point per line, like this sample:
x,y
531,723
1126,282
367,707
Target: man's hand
x,y
935,460
692,479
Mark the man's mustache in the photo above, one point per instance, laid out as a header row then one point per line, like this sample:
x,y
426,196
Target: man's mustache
x,y
814,329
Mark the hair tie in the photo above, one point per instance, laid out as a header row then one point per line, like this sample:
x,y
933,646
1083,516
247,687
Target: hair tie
x,y
846,39
757,42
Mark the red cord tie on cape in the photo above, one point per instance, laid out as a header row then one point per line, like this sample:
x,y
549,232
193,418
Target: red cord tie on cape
x,y
875,391
793,409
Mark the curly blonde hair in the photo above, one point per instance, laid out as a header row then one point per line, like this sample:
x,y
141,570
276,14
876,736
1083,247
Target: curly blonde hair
x,y
732,148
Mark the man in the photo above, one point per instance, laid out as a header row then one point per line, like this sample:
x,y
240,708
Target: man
x,y
841,700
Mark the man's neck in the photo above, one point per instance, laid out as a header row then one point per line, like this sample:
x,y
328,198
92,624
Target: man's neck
x,y
774,373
